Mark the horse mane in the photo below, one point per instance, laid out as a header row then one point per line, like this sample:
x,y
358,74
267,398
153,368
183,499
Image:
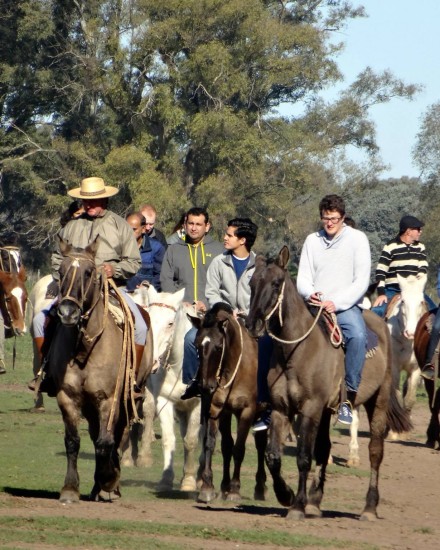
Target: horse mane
x,y
211,315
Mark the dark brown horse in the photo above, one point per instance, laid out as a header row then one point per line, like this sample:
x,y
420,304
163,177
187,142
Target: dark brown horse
x,y
91,360
228,369
13,294
421,340
305,378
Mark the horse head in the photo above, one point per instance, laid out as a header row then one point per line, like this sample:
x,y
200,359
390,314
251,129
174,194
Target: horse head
x,y
412,303
211,342
78,274
267,285
13,300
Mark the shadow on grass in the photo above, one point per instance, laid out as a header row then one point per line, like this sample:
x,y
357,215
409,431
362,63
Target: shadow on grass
x,y
272,511
37,493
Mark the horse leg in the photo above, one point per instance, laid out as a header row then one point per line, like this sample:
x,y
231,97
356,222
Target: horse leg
x,y
144,457
106,442
260,477
376,409
322,454
245,419
166,419
229,491
306,442
189,430
207,491
433,431
283,492
353,448
71,416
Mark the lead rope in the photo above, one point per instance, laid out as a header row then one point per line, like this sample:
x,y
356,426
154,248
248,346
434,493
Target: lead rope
x,y
226,386
278,305
127,362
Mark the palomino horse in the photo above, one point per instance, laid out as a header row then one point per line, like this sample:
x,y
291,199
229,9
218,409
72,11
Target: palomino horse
x,y
13,294
170,323
421,340
91,361
402,317
305,378
228,371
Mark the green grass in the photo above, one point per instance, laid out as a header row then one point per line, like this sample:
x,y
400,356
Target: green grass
x,y
32,464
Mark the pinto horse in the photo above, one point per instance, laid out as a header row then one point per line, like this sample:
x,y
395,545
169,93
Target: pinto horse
x,y
421,341
228,371
305,378
91,361
13,294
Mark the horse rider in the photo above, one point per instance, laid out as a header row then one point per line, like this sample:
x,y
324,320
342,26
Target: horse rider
x,y
185,265
334,273
227,280
151,250
117,254
403,255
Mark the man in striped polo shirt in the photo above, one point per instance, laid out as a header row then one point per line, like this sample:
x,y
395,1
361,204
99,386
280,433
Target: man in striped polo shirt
x,y
404,255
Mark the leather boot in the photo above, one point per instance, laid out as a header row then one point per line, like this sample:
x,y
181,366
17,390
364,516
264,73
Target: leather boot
x,y
38,341
137,391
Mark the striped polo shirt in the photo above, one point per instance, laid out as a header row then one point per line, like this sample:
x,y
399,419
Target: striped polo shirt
x,y
399,257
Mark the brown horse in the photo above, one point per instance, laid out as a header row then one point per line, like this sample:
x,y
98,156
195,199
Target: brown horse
x,y
305,379
91,360
13,294
421,340
228,368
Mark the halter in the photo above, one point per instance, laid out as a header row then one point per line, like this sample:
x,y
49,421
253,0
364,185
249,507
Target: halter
x,y
278,305
74,265
219,368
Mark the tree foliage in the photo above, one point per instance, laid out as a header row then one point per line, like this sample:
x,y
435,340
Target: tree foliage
x,y
177,103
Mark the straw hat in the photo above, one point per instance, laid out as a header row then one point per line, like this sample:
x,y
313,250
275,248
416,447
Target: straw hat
x,y
93,188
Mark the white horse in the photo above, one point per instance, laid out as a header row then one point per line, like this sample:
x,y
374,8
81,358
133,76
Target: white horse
x,y
169,322
38,301
402,322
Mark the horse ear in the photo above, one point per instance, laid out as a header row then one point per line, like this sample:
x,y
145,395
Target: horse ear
x,y
223,325
65,247
283,257
93,247
196,321
259,260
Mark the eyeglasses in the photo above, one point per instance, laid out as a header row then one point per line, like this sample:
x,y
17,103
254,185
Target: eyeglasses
x,y
331,220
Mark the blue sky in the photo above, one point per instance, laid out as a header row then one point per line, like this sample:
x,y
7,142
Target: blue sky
x,y
403,36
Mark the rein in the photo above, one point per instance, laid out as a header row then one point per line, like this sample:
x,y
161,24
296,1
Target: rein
x,y
335,340
219,368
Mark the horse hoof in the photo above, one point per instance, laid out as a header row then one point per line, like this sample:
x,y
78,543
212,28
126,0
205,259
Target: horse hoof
x,y
232,497
163,486
127,462
105,496
313,511
144,461
69,497
295,515
188,485
260,494
353,462
206,497
368,516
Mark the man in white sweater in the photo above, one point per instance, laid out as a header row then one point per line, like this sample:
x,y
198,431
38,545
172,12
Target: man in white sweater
x,y
334,271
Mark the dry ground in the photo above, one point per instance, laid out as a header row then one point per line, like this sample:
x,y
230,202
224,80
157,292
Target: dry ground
x,y
408,510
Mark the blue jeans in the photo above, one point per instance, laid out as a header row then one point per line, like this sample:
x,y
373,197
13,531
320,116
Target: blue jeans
x,y
190,356
265,348
354,331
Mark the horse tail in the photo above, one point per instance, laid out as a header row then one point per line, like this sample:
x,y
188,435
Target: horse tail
x,y
398,419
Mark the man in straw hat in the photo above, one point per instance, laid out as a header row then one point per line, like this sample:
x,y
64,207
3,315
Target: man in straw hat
x,y
117,253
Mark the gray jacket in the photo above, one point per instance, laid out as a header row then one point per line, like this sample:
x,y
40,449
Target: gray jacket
x,y
185,266
222,284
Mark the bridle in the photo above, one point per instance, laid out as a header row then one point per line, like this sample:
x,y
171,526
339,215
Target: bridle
x,y
73,269
278,306
218,374
163,359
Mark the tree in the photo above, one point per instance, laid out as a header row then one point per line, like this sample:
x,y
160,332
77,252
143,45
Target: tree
x,y
177,103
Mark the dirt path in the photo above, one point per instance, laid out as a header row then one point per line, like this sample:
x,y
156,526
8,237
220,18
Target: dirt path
x,y
408,510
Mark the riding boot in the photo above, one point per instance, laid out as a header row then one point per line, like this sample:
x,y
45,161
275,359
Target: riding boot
x,y
38,341
192,389
351,397
137,391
